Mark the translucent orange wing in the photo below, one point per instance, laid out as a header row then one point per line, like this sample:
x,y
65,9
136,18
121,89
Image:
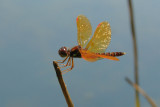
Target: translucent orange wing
x,y
89,56
84,30
100,39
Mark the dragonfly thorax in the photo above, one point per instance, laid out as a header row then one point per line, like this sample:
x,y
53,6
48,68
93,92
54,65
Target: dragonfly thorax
x,y
74,52
63,51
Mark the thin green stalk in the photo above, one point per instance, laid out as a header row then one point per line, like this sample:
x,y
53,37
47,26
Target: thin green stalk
x,y
135,51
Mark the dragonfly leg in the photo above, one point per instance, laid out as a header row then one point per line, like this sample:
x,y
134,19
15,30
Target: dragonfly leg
x,y
69,69
68,63
62,64
72,64
62,61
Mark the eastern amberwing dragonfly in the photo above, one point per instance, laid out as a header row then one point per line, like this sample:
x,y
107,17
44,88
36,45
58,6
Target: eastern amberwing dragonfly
x,y
89,49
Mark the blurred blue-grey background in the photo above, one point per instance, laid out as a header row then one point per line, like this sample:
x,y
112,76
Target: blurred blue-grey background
x,y
32,31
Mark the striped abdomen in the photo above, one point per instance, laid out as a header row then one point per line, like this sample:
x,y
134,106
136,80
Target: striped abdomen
x,y
114,54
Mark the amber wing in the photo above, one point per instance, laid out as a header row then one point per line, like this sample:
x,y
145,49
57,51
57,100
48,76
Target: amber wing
x,y
84,30
100,39
98,44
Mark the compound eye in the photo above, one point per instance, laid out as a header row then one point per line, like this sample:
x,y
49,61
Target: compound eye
x,y
63,51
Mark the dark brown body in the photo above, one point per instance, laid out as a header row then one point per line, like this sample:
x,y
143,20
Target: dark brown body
x,y
74,52
114,54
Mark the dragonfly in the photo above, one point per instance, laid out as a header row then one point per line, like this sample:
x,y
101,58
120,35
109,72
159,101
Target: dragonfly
x,y
90,49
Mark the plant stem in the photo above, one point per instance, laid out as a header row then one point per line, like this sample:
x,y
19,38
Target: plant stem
x,y
62,84
135,51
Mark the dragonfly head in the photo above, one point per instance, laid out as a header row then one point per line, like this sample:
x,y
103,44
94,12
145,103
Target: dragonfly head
x,y
63,51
